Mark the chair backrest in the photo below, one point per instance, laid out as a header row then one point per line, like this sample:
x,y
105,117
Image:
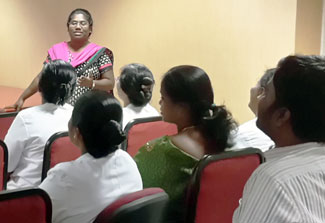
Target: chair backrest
x,y
58,148
145,206
3,165
25,205
217,185
5,122
140,131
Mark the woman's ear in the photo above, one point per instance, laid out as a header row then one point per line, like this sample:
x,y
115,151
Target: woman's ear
x,y
79,140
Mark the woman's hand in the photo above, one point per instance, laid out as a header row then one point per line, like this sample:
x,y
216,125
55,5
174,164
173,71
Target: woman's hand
x,y
85,81
17,106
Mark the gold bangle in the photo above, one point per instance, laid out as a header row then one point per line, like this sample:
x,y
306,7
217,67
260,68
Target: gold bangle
x,y
93,86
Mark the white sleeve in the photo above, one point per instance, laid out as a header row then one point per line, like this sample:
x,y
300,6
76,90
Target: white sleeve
x,y
16,140
265,200
57,186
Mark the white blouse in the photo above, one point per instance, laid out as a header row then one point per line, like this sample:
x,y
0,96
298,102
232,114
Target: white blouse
x,y
131,112
26,139
81,189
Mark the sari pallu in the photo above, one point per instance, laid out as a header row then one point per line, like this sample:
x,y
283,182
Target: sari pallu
x,y
92,61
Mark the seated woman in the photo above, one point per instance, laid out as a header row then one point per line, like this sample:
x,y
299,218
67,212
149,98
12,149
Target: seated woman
x,y
203,128
134,87
32,127
81,189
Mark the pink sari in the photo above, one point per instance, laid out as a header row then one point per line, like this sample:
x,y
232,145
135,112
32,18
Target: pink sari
x,y
61,51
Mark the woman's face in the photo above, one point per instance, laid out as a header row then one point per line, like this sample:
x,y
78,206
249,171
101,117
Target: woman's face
x,y
79,28
168,109
255,92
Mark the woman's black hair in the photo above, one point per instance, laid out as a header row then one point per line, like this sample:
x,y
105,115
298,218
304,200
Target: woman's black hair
x,y
191,85
57,81
85,12
137,81
98,115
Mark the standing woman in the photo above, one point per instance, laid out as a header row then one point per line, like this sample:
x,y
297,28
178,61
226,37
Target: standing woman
x,y
93,63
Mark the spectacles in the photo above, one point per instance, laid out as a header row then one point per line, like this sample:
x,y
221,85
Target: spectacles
x,y
81,23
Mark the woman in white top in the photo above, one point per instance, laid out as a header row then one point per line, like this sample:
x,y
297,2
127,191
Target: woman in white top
x,y
32,127
81,189
134,87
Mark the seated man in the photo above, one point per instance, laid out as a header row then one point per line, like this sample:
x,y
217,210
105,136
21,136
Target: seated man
x,y
248,135
290,186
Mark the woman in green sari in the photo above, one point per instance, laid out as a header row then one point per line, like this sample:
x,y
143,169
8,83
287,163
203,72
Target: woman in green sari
x,y
203,128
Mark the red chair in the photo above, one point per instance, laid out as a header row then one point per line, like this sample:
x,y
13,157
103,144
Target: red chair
x,y
5,122
140,131
25,205
145,206
58,148
217,185
3,165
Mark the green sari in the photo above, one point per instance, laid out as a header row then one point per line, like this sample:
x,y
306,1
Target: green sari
x,y
162,164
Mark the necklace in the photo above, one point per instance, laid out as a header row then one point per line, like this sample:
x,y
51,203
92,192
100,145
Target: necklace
x,y
187,128
70,56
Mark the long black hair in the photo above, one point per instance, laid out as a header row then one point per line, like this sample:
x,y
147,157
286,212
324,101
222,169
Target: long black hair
x,y
191,85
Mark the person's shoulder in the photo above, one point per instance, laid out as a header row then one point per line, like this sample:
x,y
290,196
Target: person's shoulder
x,y
156,145
164,140
67,107
60,44
69,170
152,109
32,111
277,170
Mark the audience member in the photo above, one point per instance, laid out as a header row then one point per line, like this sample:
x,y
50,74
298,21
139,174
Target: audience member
x,y
248,135
81,189
290,186
33,126
134,87
203,128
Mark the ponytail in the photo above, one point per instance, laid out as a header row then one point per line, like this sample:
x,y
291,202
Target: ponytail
x,y
217,123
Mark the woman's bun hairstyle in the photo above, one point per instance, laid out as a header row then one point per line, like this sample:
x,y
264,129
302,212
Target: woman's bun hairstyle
x,y
137,82
98,116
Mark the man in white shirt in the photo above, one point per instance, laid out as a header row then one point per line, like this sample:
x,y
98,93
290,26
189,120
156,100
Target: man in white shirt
x,y
290,186
248,135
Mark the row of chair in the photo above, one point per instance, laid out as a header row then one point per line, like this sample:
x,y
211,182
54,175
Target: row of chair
x,y
225,173
33,205
213,194
59,148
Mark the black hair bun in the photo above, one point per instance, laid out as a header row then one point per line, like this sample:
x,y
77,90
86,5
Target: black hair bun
x,y
147,81
113,132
